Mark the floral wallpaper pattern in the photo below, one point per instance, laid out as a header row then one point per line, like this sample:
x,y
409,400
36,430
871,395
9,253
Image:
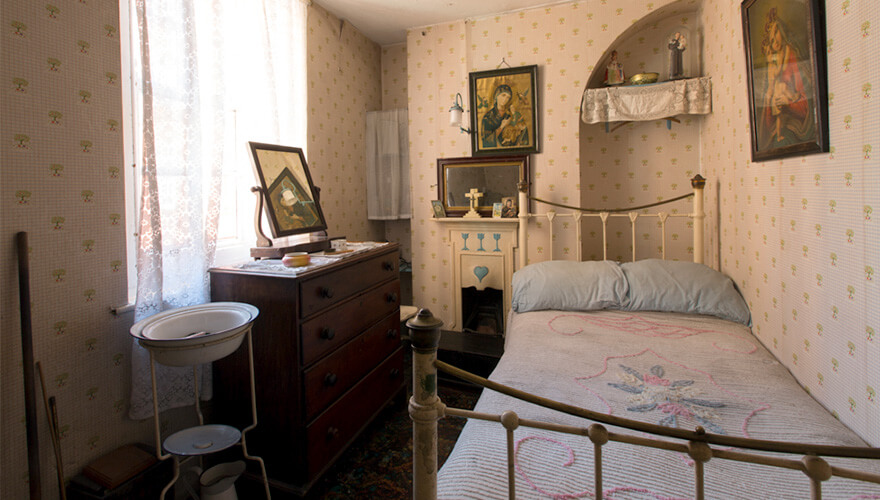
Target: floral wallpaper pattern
x,y
797,235
344,83
62,182
630,164
394,79
565,41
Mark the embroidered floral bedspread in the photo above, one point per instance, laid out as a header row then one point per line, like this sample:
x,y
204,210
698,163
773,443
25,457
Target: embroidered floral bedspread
x,y
670,369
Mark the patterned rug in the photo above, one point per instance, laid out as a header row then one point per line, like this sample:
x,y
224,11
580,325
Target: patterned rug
x,y
379,463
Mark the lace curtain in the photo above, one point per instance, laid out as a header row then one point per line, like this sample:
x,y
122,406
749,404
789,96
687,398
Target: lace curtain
x,y
387,154
208,77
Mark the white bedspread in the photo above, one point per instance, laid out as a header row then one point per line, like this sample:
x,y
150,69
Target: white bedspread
x,y
665,368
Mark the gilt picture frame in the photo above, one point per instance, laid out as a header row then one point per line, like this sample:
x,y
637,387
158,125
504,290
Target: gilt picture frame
x,y
787,77
504,111
291,202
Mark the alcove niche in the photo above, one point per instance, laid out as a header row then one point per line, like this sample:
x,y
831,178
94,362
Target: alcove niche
x,y
631,163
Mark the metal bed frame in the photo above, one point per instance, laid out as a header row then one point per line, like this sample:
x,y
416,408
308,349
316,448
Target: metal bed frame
x,y
426,408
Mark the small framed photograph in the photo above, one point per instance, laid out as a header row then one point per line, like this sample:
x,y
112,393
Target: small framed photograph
x,y
496,210
439,211
508,207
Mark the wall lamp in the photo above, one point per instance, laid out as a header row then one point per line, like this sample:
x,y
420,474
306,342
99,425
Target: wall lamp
x,y
455,114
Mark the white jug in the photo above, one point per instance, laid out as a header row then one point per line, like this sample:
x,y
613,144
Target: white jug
x,y
218,482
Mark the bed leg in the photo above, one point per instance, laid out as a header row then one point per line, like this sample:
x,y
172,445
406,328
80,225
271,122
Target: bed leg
x,y
425,408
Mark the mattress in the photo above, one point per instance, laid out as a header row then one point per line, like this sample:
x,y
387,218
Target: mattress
x,y
673,369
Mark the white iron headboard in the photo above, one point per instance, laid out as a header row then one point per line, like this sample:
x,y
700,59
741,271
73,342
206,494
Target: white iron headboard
x,y
698,215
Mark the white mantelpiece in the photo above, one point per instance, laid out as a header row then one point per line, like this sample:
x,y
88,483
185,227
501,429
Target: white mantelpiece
x,y
482,255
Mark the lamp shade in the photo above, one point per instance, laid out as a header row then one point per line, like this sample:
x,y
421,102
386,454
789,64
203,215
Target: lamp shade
x,y
456,112
455,116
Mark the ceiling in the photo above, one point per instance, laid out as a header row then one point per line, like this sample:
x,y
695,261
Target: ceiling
x,y
386,21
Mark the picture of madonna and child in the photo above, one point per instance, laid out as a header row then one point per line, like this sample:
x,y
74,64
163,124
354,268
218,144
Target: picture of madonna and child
x,y
785,116
504,125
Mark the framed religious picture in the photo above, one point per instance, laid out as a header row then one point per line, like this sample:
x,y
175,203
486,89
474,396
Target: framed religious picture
x,y
787,77
504,111
439,211
496,210
508,207
291,203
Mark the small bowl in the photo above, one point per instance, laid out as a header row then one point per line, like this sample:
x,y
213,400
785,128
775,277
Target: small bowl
x,y
296,259
644,78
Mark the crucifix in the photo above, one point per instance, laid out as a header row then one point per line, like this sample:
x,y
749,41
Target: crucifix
x,y
474,195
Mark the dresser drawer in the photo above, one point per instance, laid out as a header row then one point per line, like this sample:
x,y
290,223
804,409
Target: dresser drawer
x,y
336,373
334,428
323,291
330,330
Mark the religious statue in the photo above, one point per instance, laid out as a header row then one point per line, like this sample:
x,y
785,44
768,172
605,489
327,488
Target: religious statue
x,y
614,71
677,44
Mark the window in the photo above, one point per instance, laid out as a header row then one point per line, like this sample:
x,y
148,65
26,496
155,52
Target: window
x,y
221,74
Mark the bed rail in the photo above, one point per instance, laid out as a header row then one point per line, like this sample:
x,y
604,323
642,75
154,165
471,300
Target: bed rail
x,y
426,409
632,213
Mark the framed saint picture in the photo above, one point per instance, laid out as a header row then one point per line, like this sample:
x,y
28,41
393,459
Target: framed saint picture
x,y
496,210
508,207
291,204
504,111
787,77
439,211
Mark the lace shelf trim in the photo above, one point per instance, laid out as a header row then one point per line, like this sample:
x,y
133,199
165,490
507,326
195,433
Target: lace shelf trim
x,y
655,101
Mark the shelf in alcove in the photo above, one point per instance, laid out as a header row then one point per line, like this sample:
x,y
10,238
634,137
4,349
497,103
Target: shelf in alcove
x,y
656,101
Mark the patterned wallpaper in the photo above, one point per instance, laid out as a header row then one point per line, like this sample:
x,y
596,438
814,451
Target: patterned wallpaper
x,y
394,96
636,163
344,83
799,235
62,183
565,41
794,234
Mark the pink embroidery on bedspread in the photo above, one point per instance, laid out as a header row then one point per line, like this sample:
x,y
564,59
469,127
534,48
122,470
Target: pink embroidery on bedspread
x,y
642,327
609,493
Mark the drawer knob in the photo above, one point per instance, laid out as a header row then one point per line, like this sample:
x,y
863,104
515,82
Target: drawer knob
x,y
330,379
394,373
392,297
388,266
332,432
326,293
328,333
391,333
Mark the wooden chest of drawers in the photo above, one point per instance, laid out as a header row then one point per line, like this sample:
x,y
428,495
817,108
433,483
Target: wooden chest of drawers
x,y
327,359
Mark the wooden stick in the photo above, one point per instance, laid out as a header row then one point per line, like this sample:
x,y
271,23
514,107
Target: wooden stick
x,y
27,361
52,416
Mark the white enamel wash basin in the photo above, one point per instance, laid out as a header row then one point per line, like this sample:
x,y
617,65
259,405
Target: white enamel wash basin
x,y
195,334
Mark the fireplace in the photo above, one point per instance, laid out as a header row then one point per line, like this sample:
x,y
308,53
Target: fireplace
x,y
481,252
482,311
